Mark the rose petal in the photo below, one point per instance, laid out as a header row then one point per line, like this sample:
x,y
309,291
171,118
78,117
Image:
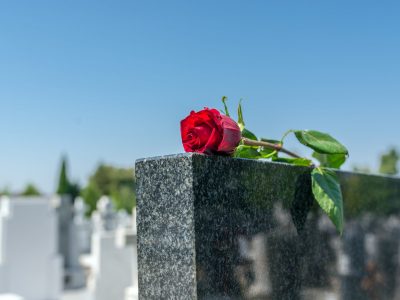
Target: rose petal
x,y
231,135
212,144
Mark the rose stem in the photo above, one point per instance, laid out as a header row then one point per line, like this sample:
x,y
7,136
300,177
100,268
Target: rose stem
x,y
276,147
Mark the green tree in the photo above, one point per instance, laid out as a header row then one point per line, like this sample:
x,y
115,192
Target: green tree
x,y
91,194
389,162
30,190
362,169
65,186
5,192
118,183
63,182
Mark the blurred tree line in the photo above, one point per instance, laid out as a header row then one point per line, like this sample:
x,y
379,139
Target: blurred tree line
x,y
65,186
389,162
29,190
117,183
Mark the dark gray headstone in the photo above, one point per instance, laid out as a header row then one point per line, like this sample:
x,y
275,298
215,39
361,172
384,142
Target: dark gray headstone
x,y
223,228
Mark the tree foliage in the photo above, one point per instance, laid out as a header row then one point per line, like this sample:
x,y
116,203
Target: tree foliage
x,y
389,162
63,182
118,183
65,186
361,169
5,192
30,190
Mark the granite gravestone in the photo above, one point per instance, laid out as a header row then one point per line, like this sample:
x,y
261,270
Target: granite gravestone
x,y
224,228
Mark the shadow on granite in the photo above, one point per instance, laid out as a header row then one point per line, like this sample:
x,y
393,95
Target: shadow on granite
x,y
223,228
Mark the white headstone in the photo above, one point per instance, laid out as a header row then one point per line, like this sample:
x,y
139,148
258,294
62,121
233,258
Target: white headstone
x,y
111,261
105,217
83,224
75,231
29,263
130,239
10,297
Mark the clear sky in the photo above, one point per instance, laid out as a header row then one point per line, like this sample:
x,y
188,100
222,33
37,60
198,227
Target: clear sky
x,y
110,80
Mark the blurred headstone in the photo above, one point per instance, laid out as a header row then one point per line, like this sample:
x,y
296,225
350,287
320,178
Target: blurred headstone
x,y
83,224
10,297
351,261
29,263
111,261
127,237
73,232
104,218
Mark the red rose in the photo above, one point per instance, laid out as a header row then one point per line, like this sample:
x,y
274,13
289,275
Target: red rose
x,y
209,132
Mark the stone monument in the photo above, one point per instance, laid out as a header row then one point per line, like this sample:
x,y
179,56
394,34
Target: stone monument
x,y
127,237
111,262
71,228
213,227
29,263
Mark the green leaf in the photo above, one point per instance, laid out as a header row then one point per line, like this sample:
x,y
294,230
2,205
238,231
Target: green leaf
x,y
267,153
245,132
240,116
330,160
266,150
295,161
248,134
244,151
224,99
327,192
320,142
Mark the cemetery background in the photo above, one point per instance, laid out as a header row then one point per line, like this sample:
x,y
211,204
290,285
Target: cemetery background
x,y
82,249
86,249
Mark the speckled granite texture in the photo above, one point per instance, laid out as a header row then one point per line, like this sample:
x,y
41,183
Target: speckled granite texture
x,y
223,228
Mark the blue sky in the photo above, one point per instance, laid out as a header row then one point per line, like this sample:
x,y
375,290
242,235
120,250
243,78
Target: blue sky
x,y
110,80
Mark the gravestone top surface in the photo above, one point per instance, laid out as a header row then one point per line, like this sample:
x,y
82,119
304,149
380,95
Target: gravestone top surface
x,y
212,227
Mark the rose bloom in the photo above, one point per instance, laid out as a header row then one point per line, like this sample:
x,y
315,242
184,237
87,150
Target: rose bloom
x,y
210,132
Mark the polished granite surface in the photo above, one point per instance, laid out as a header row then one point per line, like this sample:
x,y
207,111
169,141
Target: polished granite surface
x,y
224,228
